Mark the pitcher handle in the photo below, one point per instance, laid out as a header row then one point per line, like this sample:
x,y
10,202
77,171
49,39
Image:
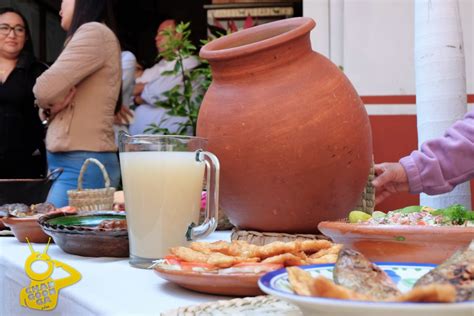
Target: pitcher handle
x,y
212,206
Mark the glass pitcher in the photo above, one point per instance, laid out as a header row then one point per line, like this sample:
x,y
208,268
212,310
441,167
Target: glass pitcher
x,y
162,179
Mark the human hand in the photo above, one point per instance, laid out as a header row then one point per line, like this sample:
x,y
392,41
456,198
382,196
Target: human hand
x,y
124,116
138,89
55,108
138,100
390,177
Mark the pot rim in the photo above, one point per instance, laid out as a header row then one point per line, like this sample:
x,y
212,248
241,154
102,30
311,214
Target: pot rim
x,y
256,38
78,229
11,220
335,229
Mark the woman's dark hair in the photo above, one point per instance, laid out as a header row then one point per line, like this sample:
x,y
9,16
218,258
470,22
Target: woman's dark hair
x,y
101,11
28,48
92,11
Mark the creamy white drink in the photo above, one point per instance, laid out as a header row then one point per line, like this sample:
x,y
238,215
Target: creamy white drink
x,y
162,198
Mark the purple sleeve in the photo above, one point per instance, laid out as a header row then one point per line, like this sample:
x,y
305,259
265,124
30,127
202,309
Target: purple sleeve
x,y
444,162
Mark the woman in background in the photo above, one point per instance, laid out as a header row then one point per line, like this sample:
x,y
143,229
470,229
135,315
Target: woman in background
x,y
79,94
22,152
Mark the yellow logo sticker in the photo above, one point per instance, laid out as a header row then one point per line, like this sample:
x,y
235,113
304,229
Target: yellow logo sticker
x,y
43,291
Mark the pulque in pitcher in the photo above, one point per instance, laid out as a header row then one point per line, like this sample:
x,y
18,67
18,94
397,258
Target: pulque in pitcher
x,y
163,181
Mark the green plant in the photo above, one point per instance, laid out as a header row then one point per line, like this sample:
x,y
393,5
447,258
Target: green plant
x,y
185,98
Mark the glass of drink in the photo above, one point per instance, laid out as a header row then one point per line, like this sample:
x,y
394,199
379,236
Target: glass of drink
x,y
162,180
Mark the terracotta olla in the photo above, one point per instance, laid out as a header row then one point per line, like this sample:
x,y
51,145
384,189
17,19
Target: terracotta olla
x,y
290,131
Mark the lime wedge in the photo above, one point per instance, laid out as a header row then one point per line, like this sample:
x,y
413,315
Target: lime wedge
x,y
358,216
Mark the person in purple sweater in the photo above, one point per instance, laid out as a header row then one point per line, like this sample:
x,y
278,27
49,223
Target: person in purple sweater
x,y
439,165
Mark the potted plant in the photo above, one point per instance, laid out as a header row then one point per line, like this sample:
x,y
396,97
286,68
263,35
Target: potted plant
x,y
185,98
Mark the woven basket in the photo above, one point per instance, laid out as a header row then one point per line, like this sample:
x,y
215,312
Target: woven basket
x,y
259,305
263,238
367,199
87,200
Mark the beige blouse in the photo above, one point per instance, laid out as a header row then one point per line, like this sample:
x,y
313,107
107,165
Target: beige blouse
x,y
91,63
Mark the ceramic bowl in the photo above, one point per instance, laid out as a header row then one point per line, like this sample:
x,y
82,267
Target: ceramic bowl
x,y
2,225
400,243
26,227
79,234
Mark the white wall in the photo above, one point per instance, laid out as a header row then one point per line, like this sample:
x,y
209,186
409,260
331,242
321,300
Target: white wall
x,y
319,11
378,42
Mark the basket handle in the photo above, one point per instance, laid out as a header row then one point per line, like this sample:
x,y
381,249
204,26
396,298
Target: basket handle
x,y
83,170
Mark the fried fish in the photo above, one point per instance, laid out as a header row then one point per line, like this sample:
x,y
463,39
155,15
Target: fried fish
x,y
303,283
353,271
458,271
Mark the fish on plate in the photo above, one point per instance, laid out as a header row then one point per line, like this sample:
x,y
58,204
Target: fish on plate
x,y
458,271
353,271
356,278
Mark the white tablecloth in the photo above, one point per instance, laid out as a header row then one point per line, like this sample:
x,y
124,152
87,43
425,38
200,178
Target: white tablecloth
x,y
109,286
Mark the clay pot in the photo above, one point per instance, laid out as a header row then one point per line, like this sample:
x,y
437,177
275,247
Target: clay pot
x,y
78,233
290,131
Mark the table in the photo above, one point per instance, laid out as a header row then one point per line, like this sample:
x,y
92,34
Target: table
x,y
109,286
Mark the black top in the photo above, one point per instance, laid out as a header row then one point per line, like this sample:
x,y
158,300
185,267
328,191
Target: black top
x,y
22,151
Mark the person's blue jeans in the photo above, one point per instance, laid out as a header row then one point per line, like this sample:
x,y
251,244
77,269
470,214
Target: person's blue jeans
x,y
72,162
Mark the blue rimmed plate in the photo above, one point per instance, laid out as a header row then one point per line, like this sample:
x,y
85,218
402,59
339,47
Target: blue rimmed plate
x,y
404,275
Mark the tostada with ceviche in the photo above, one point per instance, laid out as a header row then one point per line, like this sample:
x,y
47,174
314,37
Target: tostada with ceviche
x,y
454,215
233,268
412,234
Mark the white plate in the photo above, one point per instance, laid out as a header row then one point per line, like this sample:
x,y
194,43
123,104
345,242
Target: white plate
x,y
404,275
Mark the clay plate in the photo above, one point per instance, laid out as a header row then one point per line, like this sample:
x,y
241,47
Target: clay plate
x,y
400,243
212,283
26,227
77,234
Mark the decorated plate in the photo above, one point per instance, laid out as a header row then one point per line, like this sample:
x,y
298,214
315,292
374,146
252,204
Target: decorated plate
x,y
403,274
